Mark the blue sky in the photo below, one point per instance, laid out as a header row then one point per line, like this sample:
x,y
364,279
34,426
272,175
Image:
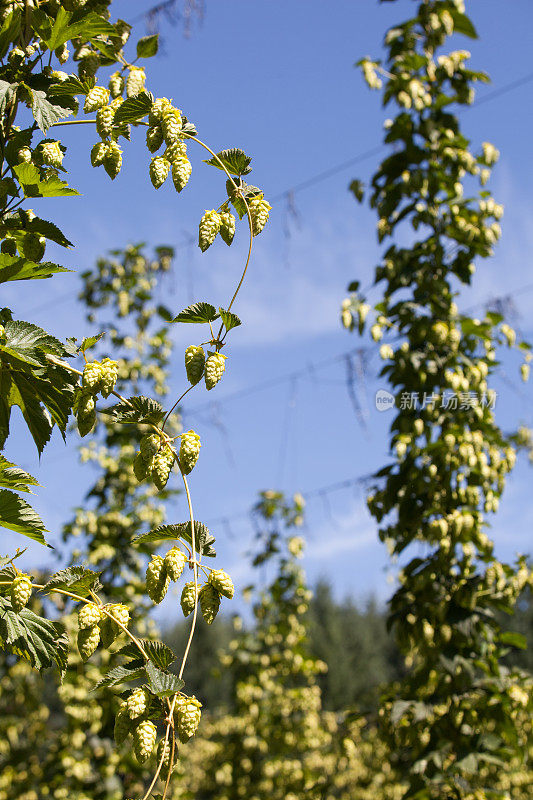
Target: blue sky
x,y
277,79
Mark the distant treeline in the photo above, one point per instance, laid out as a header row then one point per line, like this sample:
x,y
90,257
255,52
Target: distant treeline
x,y
352,639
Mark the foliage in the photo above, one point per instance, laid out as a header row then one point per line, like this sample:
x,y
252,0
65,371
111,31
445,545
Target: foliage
x,y
460,718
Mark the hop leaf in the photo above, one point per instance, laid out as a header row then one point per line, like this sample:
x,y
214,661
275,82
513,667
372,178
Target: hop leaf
x,y
187,717
154,138
104,121
137,703
227,227
222,583
20,592
208,229
194,363
181,172
189,451
174,563
86,423
188,598
89,615
135,81
157,579
144,738
96,98
209,602
214,369
88,639
259,209
159,169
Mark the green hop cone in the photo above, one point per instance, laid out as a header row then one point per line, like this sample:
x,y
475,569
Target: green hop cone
x,y
187,717
116,84
163,753
157,579
144,738
159,169
171,124
259,209
176,150
109,376
194,363
33,246
154,138
222,583
109,630
227,227
91,378
174,563
99,153
122,724
140,467
181,172
9,247
150,445
113,160
88,639
189,451
208,229
51,154
89,615
20,592
162,464
214,369
24,155
135,81
188,598
159,106
137,703
209,602
86,423
97,97
104,121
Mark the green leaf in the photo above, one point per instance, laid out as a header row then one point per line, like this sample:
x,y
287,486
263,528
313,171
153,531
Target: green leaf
x,y
77,580
463,24
158,652
17,268
358,190
10,31
514,639
134,108
162,684
182,530
46,113
40,641
17,515
247,190
89,26
127,672
197,313
29,343
6,94
90,342
229,319
144,410
148,46
234,160
32,185
72,86
13,477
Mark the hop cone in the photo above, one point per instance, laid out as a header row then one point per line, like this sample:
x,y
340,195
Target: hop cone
x,y
33,246
88,639
188,598
96,98
135,81
227,227
122,724
208,229
137,703
181,172
189,451
150,445
20,592
109,630
109,376
157,579
159,169
86,423
194,363
104,121
9,247
187,717
171,124
116,84
259,209
162,465
52,154
113,160
159,106
222,583
154,138
209,602
144,738
140,467
176,150
174,563
92,376
214,368
89,615
98,153
163,752
24,155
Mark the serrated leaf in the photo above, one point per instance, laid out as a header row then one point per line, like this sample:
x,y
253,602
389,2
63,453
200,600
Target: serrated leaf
x,y
234,160
13,477
46,113
134,108
17,515
162,684
158,652
40,641
229,319
148,46
90,342
182,530
77,580
89,26
197,313
131,671
72,86
28,343
137,409
32,185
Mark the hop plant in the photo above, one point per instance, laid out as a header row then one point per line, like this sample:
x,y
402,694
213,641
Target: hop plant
x,y
109,376
135,81
149,446
259,209
162,464
104,121
214,368
209,602
181,172
99,153
188,598
144,738
222,582
187,717
157,579
154,138
33,246
189,451
88,640
194,363
208,229
20,592
52,154
159,169
86,422
97,97
116,84
122,724
113,160
140,468
109,630
174,563
171,124
227,227
92,376
89,615
137,703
